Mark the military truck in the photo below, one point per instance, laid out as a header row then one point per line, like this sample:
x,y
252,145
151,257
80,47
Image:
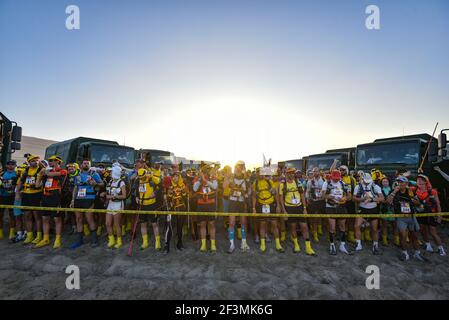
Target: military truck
x,y
406,152
298,164
10,138
344,156
152,156
96,150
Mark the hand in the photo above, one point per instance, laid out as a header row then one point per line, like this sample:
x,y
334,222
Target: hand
x,y
437,168
72,204
396,189
439,219
254,210
305,211
278,209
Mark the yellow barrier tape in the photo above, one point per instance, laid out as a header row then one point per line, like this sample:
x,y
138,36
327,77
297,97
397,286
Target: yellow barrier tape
x,y
226,214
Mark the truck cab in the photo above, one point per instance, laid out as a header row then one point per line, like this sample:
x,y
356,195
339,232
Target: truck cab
x,y
390,154
10,138
298,164
324,160
96,150
152,156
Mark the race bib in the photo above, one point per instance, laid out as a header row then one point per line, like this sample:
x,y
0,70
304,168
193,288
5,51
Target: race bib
x,y
82,192
206,190
405,207
295,201
142,188
237,194
30,180
317,193
266,208
49,183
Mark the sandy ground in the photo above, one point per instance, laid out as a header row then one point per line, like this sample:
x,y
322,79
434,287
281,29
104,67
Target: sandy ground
x,y
27,273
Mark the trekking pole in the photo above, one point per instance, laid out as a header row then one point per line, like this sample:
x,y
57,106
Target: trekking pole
x,y
188,210
136,219
427,149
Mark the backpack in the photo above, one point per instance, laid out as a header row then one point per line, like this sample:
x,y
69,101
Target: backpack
x,y
270,183
299,188
362,190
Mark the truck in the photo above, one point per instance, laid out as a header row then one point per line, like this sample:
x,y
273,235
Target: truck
x,y
152,156
96,150
298,164
344,156
10,138
406,152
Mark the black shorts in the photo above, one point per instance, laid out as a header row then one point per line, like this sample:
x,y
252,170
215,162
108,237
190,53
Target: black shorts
x,y
350,207
149,217
32,199
341,209
53,201
272,210
210,207
316,207
84,203
428,221
295,210
370,211
9,201
237,206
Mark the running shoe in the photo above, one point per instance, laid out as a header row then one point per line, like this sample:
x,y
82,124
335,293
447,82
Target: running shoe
x,y
420,257
344,249
332,250
404,257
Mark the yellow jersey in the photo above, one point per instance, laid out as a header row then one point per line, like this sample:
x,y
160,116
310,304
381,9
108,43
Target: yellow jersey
x,y
263,191
147,188
28,178
292,197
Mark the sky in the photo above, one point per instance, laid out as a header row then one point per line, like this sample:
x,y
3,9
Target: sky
x,y
225,79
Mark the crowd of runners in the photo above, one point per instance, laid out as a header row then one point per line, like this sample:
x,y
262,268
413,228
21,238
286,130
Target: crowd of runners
x,y
154,187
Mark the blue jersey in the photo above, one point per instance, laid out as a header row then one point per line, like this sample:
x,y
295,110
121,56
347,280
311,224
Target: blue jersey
x,y
84,189
8,183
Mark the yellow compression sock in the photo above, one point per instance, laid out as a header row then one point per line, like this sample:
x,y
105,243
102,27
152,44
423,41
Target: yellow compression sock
x,y
297,248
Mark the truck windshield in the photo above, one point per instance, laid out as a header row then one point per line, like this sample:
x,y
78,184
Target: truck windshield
x,y
165,158
394,153
107,154
323,162
297,164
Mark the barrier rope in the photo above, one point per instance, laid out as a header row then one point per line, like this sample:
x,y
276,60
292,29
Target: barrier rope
x,y
227,214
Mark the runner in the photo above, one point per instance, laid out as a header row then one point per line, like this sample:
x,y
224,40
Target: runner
x,y
31,196
205,187
177,197
387,208
67,193
84,198
335,194
315,200
429,203
52,178
368,195
115,195
350,184
292,199
8,182
146,199
265,200
404,203
238,193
